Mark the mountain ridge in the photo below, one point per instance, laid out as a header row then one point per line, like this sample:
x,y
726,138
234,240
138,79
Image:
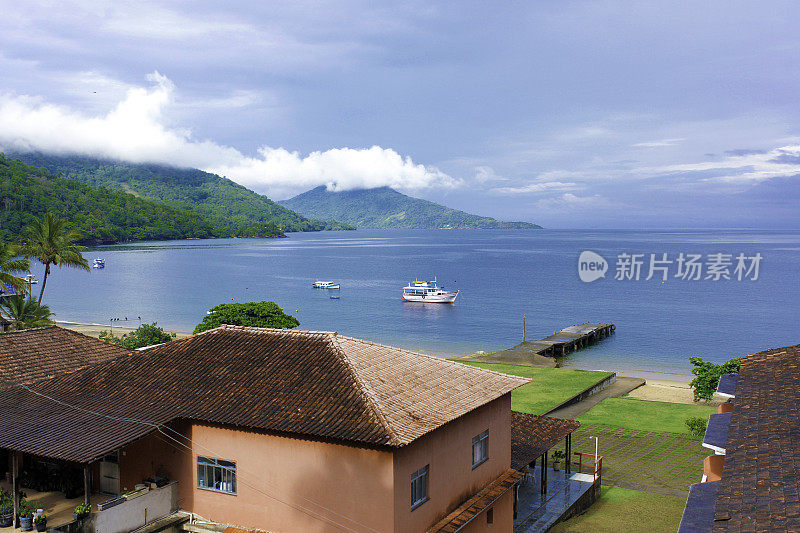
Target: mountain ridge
x,y
384,207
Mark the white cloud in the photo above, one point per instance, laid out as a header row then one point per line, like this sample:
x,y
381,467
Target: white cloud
x,y
536,187
656,144
136,130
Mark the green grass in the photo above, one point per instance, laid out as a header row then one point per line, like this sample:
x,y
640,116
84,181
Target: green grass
x,y
644,415
549,386
621,509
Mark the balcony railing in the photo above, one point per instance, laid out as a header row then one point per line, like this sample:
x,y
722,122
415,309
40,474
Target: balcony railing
x,y
595,464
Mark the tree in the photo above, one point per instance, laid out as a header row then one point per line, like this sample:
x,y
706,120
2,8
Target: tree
x,y
144,335
25,312
52,243
707,376
11,262
255,314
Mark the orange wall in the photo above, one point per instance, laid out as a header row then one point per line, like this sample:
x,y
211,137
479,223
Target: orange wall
x,y
353,482
503,517
153,455
451,479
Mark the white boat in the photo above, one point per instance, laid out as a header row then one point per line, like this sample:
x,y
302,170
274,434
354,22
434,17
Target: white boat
x,y
428,291
30,278
99,263
326,285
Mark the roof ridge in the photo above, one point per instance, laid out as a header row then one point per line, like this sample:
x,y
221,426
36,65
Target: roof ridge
x,y
259,329
433,357
365,390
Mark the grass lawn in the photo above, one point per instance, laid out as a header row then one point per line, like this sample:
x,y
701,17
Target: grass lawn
x,y
644,415
549,386
621,509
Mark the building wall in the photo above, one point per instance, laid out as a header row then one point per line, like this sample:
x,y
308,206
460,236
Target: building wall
x,y
503,517
352,482
153,455
451,479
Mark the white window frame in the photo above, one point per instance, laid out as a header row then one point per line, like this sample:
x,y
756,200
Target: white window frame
x,y
419,487
216,475
481,442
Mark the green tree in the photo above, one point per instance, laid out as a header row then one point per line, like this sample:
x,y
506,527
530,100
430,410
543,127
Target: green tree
x,y
25,312
11,262
51,242
255,314
707,376
144,335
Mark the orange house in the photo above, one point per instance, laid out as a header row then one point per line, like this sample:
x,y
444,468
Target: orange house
x,y
283,431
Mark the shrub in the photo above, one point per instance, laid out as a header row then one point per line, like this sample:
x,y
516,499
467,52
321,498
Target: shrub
x,y
696,425
707,376
144,335
254,314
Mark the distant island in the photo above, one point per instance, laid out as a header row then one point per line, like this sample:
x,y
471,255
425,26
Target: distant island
x,y
384,207
231,209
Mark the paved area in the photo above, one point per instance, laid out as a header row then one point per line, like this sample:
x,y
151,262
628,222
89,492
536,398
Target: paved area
x,y
537,512
621,387
662,463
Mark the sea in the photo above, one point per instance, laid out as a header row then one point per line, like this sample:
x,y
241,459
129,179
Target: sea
x,y
747,297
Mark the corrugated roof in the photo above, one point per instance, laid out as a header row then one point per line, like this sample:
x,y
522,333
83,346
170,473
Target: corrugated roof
x,y
318,384
30,355
760,485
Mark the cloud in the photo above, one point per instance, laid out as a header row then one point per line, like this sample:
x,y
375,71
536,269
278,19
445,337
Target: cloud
x,y
656,144
136,129
744,151
536,187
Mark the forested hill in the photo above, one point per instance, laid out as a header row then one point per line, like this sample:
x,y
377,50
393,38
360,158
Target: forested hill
x,y
384,207
221,201
101,215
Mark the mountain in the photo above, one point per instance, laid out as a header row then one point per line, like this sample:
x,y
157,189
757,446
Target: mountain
x,y
384,207
101,215
221,201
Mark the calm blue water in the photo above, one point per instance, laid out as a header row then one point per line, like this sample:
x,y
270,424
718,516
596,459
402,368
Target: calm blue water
x,y
501,274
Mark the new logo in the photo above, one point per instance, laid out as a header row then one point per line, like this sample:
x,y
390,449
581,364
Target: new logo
x,y
591,266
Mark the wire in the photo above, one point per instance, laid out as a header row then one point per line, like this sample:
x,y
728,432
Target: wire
x,y
160,427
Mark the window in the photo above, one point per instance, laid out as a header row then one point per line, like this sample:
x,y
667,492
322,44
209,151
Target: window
x,y
216,474
419,487
490,516
480,449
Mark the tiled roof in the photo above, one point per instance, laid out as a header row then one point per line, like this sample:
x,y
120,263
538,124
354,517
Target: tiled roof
x,y
318,384
33,354
533,435
468,510
760,486
699,512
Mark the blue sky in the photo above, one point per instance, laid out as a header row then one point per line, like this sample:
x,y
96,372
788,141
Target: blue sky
x,y
568,114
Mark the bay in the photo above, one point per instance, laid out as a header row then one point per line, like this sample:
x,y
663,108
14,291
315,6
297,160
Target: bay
x,y
502,275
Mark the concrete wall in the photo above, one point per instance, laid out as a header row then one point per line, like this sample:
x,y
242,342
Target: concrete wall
x,y
138,512
451,479
153,455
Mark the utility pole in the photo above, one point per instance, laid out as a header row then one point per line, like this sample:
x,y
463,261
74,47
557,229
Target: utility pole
x,y
523,328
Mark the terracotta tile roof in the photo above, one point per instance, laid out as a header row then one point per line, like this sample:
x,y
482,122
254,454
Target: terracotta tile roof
x,y
533,435
34,354
760,486
311,383
471,508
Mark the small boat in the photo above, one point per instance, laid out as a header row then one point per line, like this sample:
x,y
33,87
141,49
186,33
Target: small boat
x,y
334,297
326,285
99,263
428,291
30,278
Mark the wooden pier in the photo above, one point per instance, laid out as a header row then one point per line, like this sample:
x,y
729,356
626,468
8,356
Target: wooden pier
x,y
545,351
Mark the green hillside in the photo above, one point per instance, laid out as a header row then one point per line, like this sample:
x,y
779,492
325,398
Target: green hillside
x,y
101,215
221,201
384,207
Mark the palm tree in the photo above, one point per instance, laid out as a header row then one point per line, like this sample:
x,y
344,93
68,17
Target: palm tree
x,y
11,261
52,243
24,313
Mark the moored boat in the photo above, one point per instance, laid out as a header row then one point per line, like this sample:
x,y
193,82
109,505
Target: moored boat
x,y
326,285
31,279
99,263
428,291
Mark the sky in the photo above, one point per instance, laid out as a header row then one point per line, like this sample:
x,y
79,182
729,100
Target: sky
x,y
570,114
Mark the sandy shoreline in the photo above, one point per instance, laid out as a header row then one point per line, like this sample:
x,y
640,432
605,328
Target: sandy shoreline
x,y
94,330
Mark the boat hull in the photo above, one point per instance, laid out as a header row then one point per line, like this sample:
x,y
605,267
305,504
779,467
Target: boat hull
x,y
444,298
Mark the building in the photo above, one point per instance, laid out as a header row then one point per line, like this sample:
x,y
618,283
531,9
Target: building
x,y
752,482
273,429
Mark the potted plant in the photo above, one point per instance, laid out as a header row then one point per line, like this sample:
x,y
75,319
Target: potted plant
x,y
82,511
6,512
41,522
25,517
557,456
